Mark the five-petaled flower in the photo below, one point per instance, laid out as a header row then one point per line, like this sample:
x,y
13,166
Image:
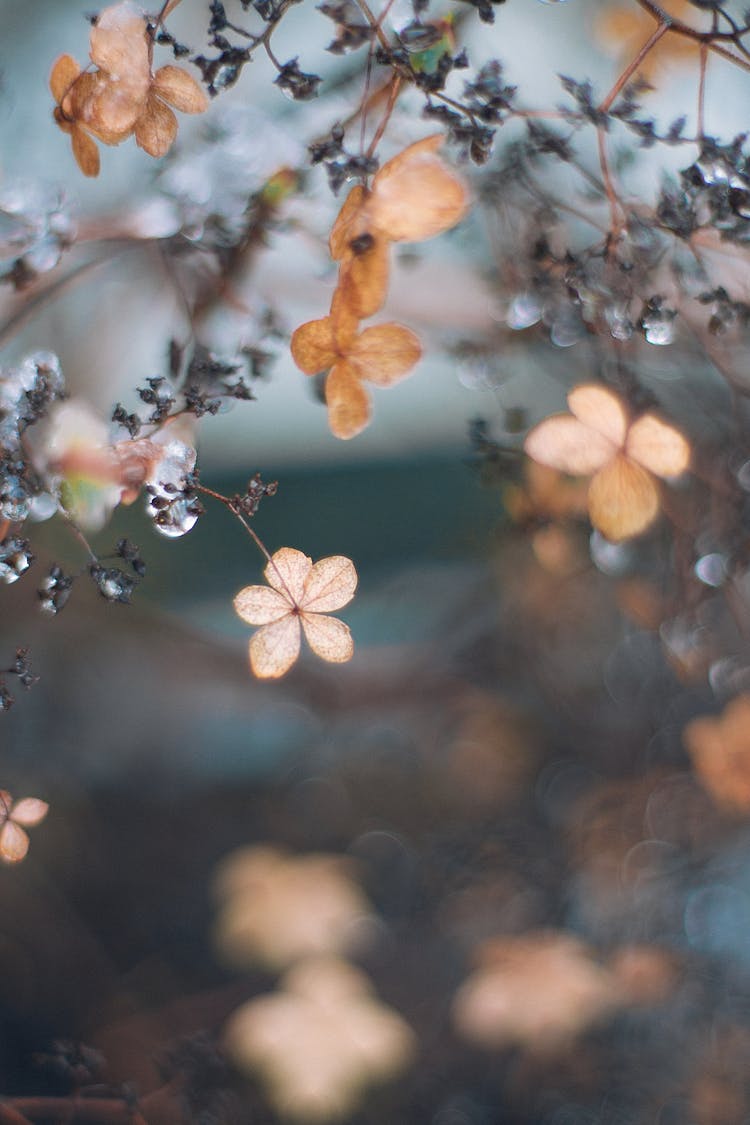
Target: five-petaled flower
x,y
601,440
14,818
298,594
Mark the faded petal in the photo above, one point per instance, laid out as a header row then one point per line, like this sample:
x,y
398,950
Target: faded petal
x,y
364,277
564,443
657,446
29,811
329,638
313,347
348,402
288,572
14,843
260,605
107,108
64,72
601,410
349,222
156,128
623,499
85,151
330,585
385,353
118,43
416,196
274,648
180,89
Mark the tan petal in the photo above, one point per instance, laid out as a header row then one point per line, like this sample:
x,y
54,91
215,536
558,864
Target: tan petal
x,y
601,410
108,109
330,585
85,152
564,443
14,843
288,572
274,648
312,346
657,446
119,45
623,499
348,224
180,89
64,72
385,354
364,277
29,811
260,605
416,196
328,637
348,402
156,128
344,316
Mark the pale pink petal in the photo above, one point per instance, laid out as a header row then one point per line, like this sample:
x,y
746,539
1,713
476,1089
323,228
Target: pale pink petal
x,y
328,637
565,443
14,843
274,648
287,572
601,410
330,585
260,605
658,447
29,811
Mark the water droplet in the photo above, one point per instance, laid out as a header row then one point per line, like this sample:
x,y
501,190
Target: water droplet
x,y
711,569
658,328
15,558
614,559
524,310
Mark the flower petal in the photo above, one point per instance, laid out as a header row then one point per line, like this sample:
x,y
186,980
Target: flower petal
x,y
64,72
348,224
260,605
14,843
118,44
312,346
565,443
601,410
329,638
288,572
156,128
274,648
415,195
29,811
657,446
330,585
348,402
85,151
364,277
385,353
180,89
623,499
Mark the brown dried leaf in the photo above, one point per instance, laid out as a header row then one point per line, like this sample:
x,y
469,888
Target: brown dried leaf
x,y
175,86
65,70
415,195
348,402
312,346
85,151
385,354
156,128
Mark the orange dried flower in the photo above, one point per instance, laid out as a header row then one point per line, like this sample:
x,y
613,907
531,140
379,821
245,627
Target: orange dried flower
x,y
623,30
720,750
298,594
414,196
622,454
382,355
14,818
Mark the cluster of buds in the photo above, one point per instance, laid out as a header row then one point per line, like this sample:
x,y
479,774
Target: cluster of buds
x,y
121,95
413,197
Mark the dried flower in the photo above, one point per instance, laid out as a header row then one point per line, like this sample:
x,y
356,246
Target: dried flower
x,y
622,455
14,818
298,593
720,751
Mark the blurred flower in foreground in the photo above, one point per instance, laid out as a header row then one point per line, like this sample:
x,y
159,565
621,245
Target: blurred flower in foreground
x,y
278,908
622,455
298,593
720,750
320,1042
623,28
14,818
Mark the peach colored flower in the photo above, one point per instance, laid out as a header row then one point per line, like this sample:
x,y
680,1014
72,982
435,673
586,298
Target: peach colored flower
x,y
298,594
621,455
14,818
720,751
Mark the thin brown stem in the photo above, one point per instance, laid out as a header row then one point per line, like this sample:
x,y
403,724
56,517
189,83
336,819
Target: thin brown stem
x,y
392,98
632,66
702,90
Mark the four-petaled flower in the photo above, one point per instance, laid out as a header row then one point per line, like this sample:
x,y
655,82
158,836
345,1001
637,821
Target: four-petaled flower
x,y
621,453
298,594
14,818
